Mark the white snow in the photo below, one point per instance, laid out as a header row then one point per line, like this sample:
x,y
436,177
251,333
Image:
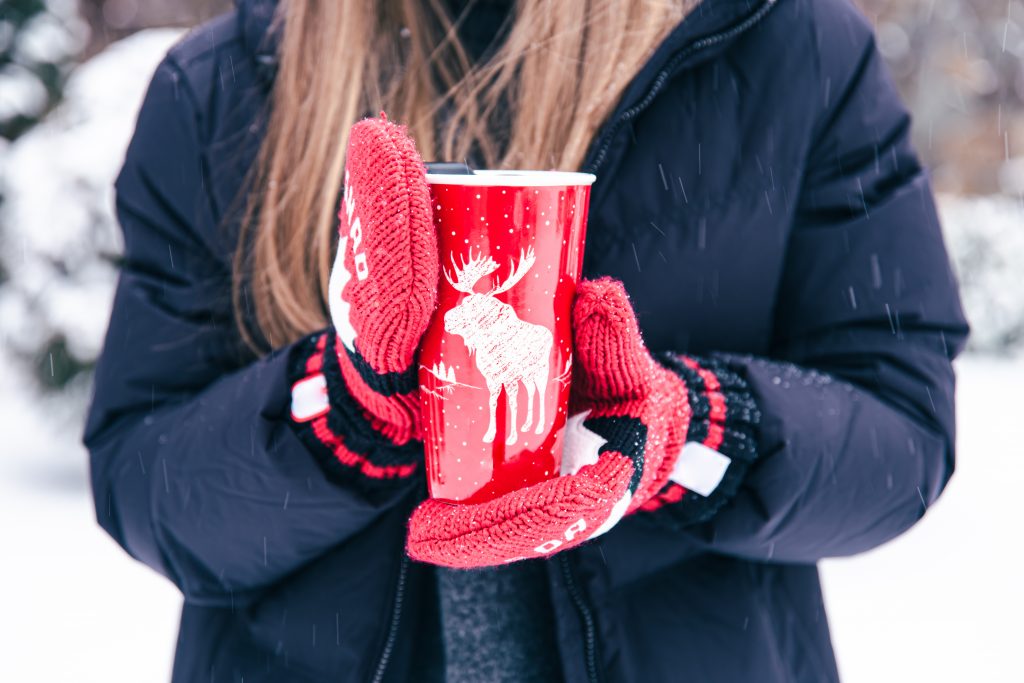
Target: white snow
x,y
942,603
58,214
22,93
52,37
945,601
74,606
985,238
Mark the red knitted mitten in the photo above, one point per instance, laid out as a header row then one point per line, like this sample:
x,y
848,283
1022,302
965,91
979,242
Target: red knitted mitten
x,y
383,285
631,417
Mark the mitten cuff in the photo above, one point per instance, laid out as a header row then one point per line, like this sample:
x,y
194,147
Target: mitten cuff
x,y
390,401
721,442
334,426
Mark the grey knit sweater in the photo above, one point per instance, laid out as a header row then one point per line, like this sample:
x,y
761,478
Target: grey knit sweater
x,y
498,625
497,622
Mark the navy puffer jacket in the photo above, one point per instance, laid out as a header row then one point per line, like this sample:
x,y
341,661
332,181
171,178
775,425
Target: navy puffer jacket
x,y
758,196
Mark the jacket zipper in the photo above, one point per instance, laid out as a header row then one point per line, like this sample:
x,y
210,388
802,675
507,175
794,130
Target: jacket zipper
x,y
590,642
589,630
598,158
659,82
396,614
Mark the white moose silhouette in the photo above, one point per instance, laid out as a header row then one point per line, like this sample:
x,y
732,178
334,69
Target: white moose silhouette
x,y
508,350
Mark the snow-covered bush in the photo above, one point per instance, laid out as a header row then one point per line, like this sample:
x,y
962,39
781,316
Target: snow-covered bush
x,y
58,235
38,41
985,237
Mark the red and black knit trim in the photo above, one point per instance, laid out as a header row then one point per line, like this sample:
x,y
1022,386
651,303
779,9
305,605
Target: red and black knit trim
x,y
343,439
625,435
387,384
724,418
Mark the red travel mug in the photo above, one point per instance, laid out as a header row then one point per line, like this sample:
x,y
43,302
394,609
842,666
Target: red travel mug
x,y
496,360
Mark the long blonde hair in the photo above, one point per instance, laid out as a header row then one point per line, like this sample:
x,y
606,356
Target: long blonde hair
x,y
543,94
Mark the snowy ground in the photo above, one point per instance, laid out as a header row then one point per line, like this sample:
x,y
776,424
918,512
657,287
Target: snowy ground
x,y
942,603
945,602
73,605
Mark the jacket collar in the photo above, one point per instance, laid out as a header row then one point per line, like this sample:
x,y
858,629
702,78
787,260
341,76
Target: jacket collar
x,y
708,28
709,18
260,36
705,32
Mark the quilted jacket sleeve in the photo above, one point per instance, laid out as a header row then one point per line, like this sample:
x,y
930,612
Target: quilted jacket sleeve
x,y
856,404
197,468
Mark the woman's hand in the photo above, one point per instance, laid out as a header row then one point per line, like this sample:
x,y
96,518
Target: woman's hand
x,y
630,419
630,414
383,286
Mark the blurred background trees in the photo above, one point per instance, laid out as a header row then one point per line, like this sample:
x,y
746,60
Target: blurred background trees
x,y
58,239
39,42
960,67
